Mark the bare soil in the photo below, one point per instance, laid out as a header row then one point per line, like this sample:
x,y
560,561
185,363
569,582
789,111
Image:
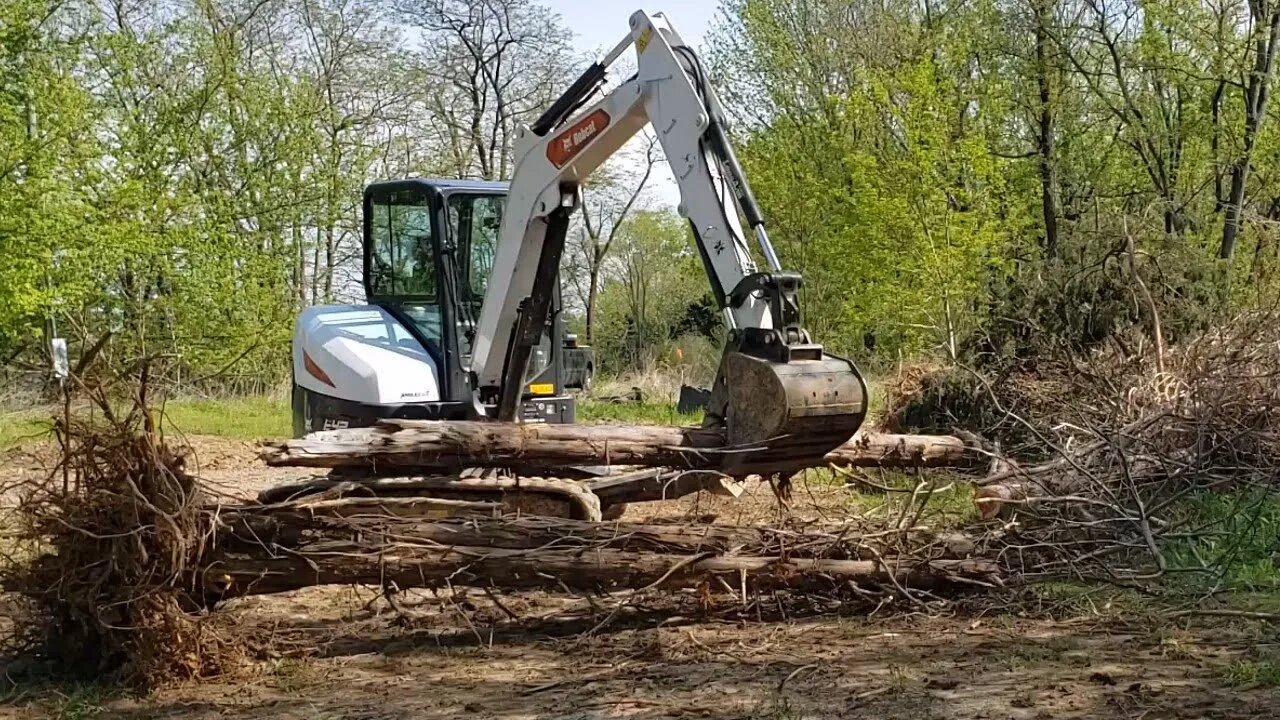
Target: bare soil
x,y
349,653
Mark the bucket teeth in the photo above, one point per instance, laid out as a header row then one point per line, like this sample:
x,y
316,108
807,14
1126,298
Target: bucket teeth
x,y
786,415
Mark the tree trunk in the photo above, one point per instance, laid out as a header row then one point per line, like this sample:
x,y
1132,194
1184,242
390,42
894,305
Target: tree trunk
x,y
295,526
455,444
1045,135
593,289
1255,108
552,569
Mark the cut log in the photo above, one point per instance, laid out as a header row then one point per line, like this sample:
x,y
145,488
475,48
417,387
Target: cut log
x,y
556,569
296,526
399,444
286,547
904,451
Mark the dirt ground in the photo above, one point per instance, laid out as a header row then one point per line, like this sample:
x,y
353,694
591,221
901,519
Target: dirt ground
x,y
347,653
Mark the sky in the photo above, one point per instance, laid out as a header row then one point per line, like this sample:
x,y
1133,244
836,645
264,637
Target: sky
x,y
598,25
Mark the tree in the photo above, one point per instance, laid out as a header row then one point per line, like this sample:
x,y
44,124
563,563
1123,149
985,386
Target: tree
x,y
1264,34
495,64
606,206
652,278
46,148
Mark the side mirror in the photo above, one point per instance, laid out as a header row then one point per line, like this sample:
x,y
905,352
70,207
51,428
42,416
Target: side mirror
x,y
570,340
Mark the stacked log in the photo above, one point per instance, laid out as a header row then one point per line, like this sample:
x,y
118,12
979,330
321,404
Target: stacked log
x,y
273,549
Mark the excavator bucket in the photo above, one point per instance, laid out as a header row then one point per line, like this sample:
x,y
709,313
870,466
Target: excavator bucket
x,y
782,416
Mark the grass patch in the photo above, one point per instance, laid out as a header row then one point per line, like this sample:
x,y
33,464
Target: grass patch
x,y
242,418
590,411
59,701
1229,541
246,418
19,428
1072,598
1264,672
81,702
949,506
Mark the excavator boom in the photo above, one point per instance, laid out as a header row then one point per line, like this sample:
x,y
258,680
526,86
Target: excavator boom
x,y
777,395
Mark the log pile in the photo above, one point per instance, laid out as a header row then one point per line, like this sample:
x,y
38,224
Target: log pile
x,y
269,549
119,568
400,457
398,521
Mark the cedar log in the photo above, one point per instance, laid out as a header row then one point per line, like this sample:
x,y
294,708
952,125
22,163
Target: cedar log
x,y
297,526
285,547
401,444
555,569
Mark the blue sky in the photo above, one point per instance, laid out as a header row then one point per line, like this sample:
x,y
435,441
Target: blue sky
x,y
599,24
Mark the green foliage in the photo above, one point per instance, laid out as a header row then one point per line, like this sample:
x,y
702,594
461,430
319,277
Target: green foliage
x,y
1232,542
1254,673
17,429
972,179
888,201
654,293
634,413
241,418
183,177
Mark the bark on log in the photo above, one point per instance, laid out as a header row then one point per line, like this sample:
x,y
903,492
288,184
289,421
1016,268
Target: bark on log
x,y
296,527
348,563
400,444
610,490
510,494
286,547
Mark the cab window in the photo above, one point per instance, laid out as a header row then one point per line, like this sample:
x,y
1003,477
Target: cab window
x,y
401,259
475,221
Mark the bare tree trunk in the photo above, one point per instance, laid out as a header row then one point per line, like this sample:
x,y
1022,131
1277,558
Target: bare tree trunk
x,y
1045,136
1255,108
593,290
553,569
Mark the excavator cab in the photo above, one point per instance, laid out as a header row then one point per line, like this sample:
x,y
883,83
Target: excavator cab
x,y
428,249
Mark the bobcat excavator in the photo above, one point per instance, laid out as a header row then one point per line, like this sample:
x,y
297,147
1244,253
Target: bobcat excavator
x,y
462,279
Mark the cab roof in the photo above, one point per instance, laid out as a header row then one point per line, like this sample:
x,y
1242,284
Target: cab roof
x,y
446,184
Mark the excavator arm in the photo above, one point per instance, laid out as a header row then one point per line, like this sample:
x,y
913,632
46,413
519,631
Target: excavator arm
x,y
776,391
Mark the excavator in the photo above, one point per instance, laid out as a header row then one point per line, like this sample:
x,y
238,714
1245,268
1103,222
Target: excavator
x,y
463,318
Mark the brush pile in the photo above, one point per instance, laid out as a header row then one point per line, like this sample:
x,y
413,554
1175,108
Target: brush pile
x,y
1140,442
100,555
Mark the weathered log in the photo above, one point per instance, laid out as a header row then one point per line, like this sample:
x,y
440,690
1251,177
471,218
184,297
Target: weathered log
x,y
400,444
903,451
268,549
298,526
511,494
611,490
556,569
